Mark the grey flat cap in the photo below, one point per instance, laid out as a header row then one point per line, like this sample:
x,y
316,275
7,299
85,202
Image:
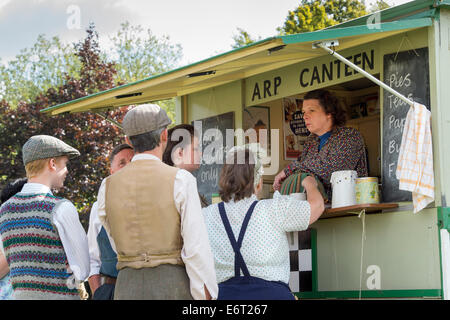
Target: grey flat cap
x,y
44,147
144,118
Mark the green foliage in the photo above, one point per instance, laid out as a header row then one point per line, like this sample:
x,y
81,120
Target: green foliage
x,y
312,15
242,39
37,69
51,73
139,54
89,133
378,5
136,55
344,10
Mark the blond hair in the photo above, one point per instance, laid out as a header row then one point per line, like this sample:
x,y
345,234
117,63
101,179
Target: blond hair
x,y
36,167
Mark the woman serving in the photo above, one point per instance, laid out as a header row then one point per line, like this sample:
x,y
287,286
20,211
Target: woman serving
x,y
330,147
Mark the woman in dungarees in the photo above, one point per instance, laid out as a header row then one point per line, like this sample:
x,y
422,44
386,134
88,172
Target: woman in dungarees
x,y
248,237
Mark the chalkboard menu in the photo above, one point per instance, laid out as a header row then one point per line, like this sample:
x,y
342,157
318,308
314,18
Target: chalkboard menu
x,y
213,143
406,72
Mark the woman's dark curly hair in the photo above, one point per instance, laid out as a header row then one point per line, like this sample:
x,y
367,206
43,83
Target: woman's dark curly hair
x,y
236,178
330,105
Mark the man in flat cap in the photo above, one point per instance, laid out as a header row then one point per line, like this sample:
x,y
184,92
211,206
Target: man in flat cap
x,y
153,213
41,234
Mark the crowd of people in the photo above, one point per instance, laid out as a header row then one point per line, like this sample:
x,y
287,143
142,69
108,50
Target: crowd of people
x,y
151,234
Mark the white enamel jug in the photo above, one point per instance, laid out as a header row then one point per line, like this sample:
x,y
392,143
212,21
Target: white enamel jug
x,y
343,184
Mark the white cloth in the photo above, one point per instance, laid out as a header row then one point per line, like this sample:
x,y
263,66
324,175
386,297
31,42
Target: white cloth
x,y
415,159
70,230
265,247
196,252
95,225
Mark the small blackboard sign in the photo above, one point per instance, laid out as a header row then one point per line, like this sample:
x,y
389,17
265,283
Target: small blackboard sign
x,y
408,73
211,131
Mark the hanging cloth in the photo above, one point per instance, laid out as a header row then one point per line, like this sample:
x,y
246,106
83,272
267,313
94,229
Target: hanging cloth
x,y
415,159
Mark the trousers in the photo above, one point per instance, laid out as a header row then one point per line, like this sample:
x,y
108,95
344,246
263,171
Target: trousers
x,y
164,282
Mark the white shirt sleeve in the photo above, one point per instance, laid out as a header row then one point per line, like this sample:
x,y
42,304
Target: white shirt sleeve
x,y
73,238
292,214
196,253
101,209
93,231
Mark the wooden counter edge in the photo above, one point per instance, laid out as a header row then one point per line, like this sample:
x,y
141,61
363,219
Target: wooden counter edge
x,y
356,209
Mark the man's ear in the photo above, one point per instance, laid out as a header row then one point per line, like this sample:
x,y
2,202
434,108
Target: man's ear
x,y
51,164
127,140
164,135
180,152
177,155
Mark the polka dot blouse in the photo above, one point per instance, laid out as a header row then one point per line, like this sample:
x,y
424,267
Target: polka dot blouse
x,y
265,247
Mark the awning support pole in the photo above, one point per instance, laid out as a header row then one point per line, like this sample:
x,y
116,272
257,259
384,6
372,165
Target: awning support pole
x,y
114,122
367,75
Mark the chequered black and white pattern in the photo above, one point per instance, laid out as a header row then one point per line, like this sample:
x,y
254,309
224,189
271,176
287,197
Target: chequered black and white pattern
x,y
300,254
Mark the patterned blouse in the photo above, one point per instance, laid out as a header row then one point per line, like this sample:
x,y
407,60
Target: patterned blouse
x,y
344,150
265,247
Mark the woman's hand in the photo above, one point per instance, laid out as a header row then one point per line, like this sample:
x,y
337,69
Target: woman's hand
x,y
278,180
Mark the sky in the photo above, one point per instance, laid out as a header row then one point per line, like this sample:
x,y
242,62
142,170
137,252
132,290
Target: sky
x,y
204,28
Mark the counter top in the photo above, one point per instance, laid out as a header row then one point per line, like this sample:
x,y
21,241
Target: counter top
x,y
356,209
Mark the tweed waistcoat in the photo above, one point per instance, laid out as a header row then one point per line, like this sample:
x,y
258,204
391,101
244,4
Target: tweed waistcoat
x,y
34,251
140,209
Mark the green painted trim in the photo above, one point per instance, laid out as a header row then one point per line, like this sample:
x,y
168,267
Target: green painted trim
x,y
443,223
444,218
443,3
419,293
404,11
440,263
433,13
356,30
314,265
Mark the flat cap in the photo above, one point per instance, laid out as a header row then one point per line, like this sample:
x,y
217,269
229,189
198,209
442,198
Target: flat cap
x,y
44,147
144,118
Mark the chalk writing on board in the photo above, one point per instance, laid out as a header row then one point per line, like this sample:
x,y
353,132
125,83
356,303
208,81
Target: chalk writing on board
x,y
214,144
406,72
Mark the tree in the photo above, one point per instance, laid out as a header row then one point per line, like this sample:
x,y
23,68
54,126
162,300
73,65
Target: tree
x,y
378,5
37,69
343,10
135,53
242,39
139,54
312,15
90,134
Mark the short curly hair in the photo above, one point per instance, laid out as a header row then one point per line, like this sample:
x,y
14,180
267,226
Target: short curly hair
x,y
236,179
330,104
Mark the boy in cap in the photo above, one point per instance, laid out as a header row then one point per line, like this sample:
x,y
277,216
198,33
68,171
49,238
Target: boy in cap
x,y
41,234
153,213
